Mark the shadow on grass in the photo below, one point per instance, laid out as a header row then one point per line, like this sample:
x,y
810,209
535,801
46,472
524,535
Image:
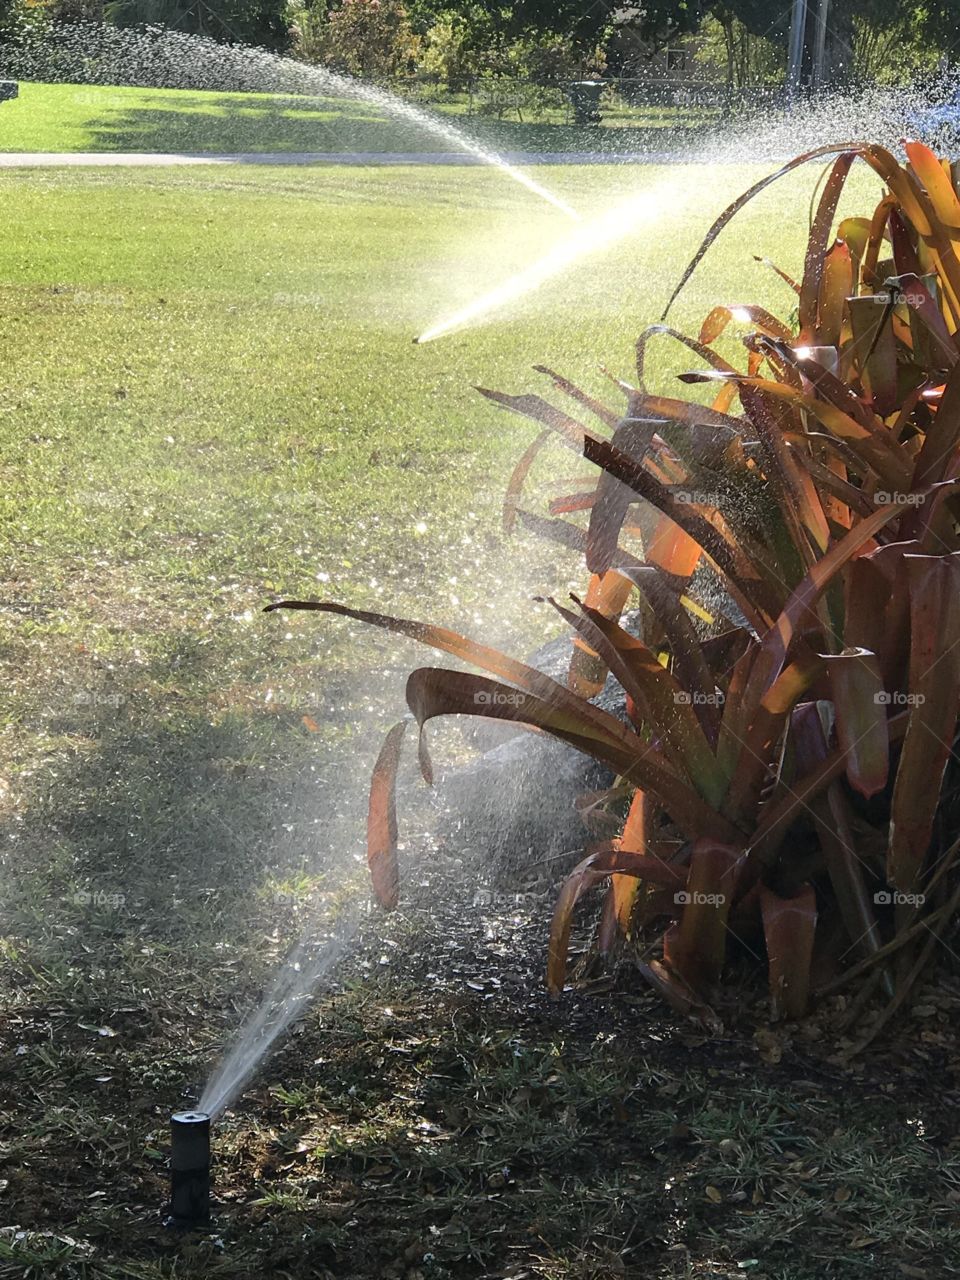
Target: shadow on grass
x,y
227,123
170,813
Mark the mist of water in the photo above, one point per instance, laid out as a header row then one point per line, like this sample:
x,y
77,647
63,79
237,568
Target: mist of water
x,y
156,57
286,999
883,117
594,236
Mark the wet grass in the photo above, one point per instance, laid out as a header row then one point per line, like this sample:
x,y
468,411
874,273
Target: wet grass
x,y
424,1123
210,398
57,117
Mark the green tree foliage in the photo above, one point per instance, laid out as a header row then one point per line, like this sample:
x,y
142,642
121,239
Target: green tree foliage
x,y
742,57
868,41
262,22
371,38
21,20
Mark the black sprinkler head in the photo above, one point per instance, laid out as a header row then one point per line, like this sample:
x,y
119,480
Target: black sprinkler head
x,y
190,1169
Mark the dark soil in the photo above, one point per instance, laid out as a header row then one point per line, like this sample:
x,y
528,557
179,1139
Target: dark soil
x,y
437,1115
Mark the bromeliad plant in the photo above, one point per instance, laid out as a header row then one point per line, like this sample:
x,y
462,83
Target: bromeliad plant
x,y
785,769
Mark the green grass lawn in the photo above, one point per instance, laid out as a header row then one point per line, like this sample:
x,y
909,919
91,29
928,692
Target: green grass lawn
x,y
64,117
210,397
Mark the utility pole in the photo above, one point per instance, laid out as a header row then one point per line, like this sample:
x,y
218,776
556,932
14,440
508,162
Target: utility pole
x,y
806,64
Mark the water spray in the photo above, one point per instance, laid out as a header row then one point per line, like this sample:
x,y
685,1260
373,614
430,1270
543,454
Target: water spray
x,y
157,56
614,225
189,1169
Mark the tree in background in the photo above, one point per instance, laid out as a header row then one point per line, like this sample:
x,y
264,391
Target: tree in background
x,y
458,46
868,41
371,38
21,20
893,40
745,58
261,22
549,41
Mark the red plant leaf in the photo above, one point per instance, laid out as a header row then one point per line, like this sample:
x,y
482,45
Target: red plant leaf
x,y
832,815
934,687
519,478
614,498
678,994
811,287
434,691
608,594
664,330
701,940
859,701
789,926
662,702
733,209
835,287
594,868
637,837
382,820
761,319
939,188
488,659
776,643
607,416
789,800
942,438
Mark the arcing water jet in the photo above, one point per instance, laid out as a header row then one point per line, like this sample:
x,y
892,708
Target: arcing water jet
x,y
156,57
287,998
612,226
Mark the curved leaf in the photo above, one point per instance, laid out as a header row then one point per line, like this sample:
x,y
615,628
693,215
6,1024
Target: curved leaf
x,y
664,704
859,702
608,594
934,584
499,664
789,926
700,347
599,410
594,868
700,944
518,479
811,288
733,209
433,691
382,820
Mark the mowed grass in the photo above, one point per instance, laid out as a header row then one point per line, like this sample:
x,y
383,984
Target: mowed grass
x,y
65,117
211,399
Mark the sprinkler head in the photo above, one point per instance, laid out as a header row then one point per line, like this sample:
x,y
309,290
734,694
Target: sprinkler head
x,y
189,1169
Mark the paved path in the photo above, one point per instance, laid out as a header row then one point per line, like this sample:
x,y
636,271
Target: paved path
x,y
151,159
